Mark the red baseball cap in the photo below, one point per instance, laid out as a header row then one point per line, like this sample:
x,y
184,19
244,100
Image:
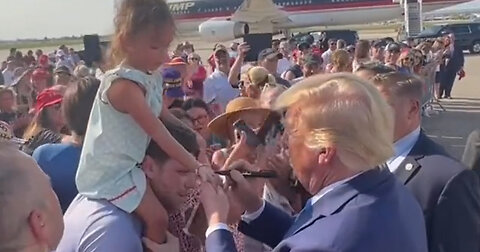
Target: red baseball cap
x,y
47,98
40,74
177,61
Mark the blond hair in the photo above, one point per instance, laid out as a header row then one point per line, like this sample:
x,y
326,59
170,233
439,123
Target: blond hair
x,y
133,17
344,111
400,85
341,61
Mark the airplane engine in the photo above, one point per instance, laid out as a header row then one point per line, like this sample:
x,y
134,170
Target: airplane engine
x,y
222,30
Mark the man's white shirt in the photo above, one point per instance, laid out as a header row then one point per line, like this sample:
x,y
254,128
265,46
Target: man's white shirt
x,y
8,77
217,89
402,147
326,57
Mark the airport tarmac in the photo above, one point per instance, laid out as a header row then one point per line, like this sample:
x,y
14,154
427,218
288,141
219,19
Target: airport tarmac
x,y
452,127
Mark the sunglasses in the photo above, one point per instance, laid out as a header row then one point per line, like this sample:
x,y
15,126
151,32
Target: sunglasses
x,y
196,59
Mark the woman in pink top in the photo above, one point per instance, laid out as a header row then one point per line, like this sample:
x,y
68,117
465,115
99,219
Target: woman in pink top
x,y
198,74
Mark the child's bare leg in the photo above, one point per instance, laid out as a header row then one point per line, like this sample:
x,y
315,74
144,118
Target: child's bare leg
x,y
154,217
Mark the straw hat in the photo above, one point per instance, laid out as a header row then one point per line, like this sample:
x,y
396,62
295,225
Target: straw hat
x,y
220,125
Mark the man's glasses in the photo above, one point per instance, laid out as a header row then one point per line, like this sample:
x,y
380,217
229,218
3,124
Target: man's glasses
x,y
199,119
194,59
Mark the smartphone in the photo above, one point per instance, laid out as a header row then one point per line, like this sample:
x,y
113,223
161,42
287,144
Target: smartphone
x,y
252,139
252,174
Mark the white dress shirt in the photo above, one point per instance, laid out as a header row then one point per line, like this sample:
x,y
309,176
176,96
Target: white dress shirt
x,y
402,147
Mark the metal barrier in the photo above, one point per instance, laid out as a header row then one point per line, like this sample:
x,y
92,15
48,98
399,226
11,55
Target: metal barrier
x,y
429,99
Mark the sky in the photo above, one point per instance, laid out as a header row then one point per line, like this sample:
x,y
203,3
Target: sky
x,y
21,19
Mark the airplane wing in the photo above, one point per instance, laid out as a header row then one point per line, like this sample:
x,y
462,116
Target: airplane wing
x,y
255,11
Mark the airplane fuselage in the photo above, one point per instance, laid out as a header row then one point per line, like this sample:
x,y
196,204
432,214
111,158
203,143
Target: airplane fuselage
x,y
190,13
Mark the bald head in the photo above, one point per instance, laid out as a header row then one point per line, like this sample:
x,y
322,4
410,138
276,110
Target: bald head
x,y
15,196
26,200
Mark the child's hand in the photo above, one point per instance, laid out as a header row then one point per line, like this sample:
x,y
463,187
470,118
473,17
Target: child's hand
x,y
206,174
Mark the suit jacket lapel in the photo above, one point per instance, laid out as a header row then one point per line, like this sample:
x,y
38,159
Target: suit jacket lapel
x,y
333,201
407,169
410,166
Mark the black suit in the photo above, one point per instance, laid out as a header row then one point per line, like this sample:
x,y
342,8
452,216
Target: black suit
x,y
448,193
452,64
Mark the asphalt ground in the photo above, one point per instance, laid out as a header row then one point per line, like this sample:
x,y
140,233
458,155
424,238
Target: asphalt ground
x,y
452,127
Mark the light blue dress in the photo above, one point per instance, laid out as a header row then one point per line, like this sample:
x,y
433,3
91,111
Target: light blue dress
x,y
115,144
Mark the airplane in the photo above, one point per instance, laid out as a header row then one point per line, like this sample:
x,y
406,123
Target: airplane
x,y
222,20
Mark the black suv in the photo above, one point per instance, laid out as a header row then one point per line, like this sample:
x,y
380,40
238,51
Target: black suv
x,y
467,35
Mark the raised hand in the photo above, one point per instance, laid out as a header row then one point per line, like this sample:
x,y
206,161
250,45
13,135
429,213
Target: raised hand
x,y
243,48
242,191
215,203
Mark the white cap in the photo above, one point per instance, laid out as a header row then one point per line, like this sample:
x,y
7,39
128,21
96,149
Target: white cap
x,y
60,53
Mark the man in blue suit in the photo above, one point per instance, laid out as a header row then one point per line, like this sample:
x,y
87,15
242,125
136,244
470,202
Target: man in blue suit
x,y
339,132
452,65
447,191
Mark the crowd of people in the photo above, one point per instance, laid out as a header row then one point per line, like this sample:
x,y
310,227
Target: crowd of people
x,y
156,151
